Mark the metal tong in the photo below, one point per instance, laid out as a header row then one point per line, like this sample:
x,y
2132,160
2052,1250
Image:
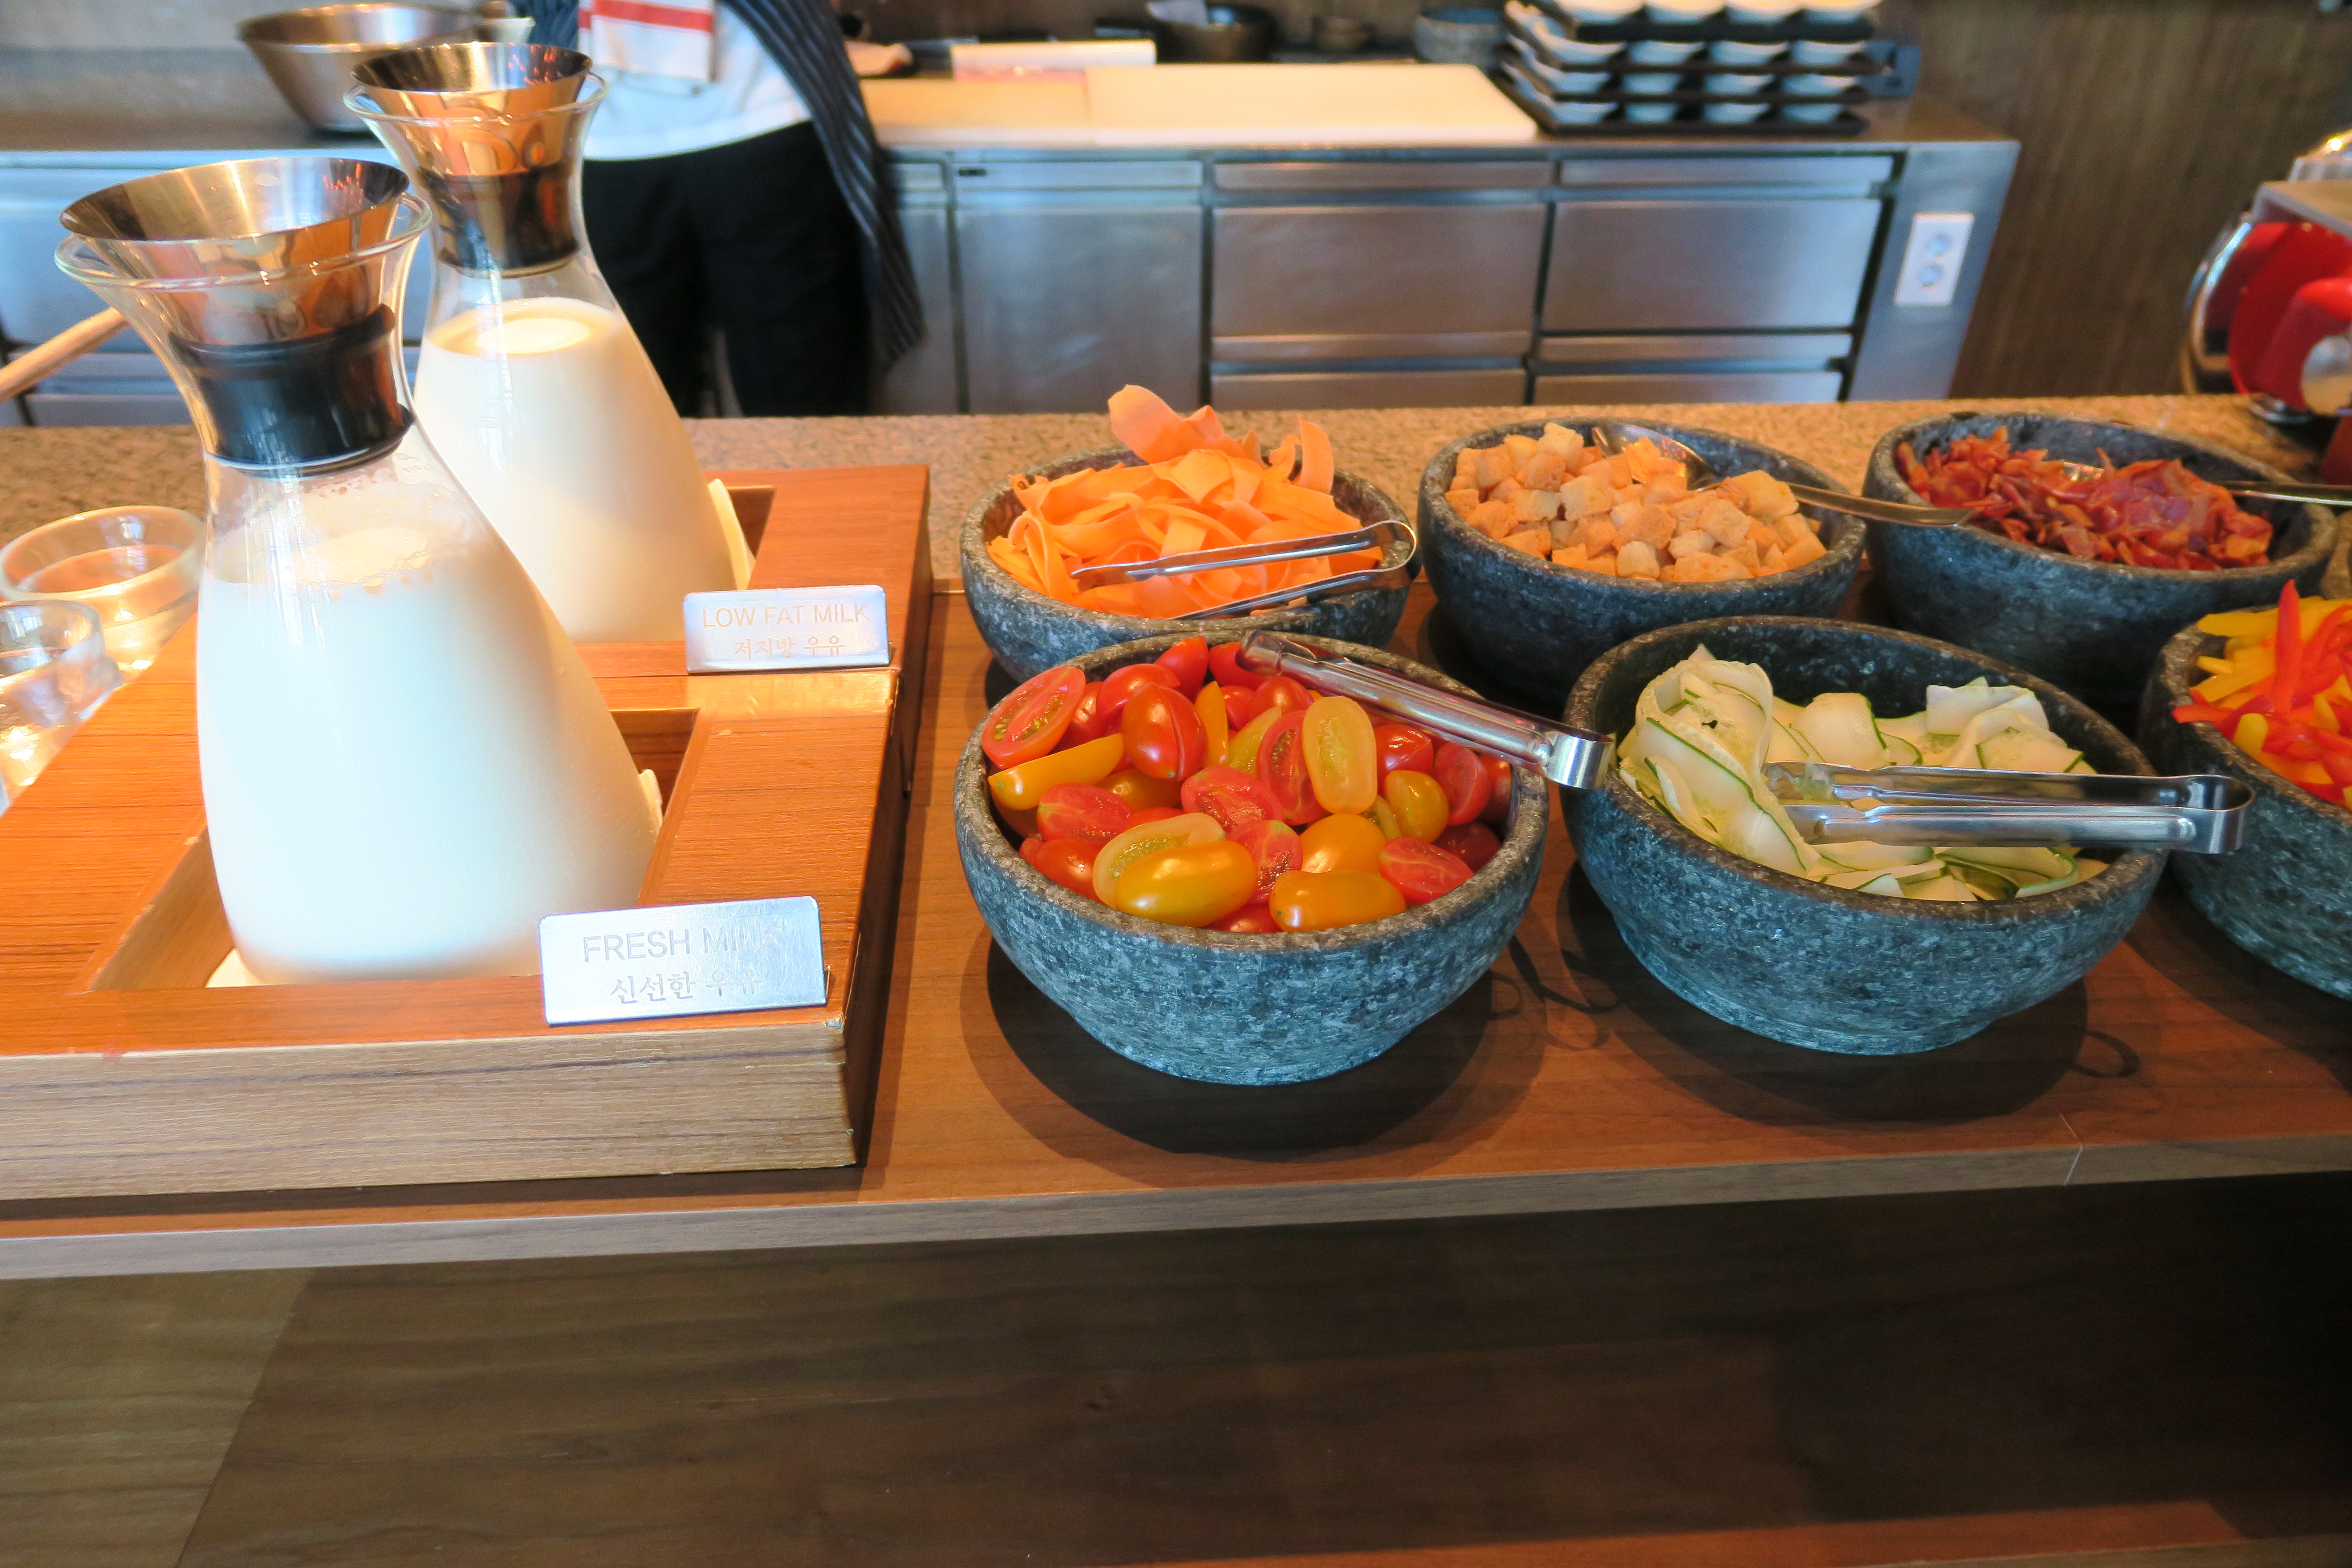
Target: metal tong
x,y
1562,754
1371,536
2204,814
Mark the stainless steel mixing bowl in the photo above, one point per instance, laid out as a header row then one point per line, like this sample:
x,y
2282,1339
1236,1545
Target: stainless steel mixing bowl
x,y
310,54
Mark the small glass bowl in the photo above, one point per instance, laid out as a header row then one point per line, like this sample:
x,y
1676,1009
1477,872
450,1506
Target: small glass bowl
x,y
54,672
1582,113
1762,13
1659,52
1651,113
136,567
1650,81
1811,113
1804,86
1733,83
1732,52
1817,52
1684,13
1839,10
1735,113
1600,10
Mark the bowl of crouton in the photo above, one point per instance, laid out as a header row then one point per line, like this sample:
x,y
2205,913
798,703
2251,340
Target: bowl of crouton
x,y
1546,552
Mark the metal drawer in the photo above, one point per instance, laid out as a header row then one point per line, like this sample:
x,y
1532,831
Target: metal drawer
x,y
1712,351
1692,386
923,381
1699,264
1368,388
1344,271
1858,174
1385,175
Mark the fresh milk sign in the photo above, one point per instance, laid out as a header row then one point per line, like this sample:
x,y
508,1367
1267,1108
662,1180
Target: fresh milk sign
x,y
681,959
785,628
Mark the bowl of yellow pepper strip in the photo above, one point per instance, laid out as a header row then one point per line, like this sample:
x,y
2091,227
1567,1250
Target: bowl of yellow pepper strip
x,y
2266,696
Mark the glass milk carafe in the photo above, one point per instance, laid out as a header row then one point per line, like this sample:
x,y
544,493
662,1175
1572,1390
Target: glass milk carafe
x,y
530,383
406,763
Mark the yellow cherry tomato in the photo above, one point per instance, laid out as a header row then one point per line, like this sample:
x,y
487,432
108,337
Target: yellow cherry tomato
x,y
1140,791
1113,859
1210,706
1341,843
1241,751
1342,757
1324,900
1021,787
1419,802
1190,886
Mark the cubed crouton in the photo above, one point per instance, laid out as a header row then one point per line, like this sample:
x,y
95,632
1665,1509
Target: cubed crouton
x,y
1604,562
1492,517
1534,540
1545,471
1702,568
1596,533
1537,506
1636,559
1494,466
1463,500
1617,471
1648,525
1571,557
1750,562
1691,543
1763,536
1505,489
1561,441
1586,494
1668,487
1792,528
1760,495
1727,523
1521,449
1807,548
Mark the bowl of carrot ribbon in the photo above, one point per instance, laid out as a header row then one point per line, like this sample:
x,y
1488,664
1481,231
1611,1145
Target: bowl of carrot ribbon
x,y
1178,485
2266,696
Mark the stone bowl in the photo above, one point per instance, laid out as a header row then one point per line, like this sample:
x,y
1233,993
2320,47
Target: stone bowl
x,y
2280,897
1222,1007
1817,966
2094,628
1534,626
1028,632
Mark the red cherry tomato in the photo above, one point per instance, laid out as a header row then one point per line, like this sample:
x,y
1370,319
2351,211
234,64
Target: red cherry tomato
x,y
1033,716
1154,814
1402,746
1250,919
1164,736
1069,862
1421,871
1087,812
1498,802
1225,665
1474,842
1283,695
1087,719
1140,792
1119,687
1030,847
1241,705
1463,773
1282,765
1321,900
1236,799
1343,761
1277,850
1188,661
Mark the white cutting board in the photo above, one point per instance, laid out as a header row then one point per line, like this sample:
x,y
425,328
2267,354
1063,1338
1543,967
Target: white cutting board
x,y
920,112
1250,105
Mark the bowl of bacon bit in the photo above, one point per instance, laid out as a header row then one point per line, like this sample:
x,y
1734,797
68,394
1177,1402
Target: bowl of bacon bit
x,y
1057,563
2265,695
2094,543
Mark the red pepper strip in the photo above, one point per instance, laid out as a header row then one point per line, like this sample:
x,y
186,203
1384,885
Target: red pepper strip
x,y
2288,641
2339,744
2204,713
2323,662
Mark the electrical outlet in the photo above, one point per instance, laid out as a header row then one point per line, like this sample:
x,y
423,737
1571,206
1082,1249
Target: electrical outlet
x,y
1932,258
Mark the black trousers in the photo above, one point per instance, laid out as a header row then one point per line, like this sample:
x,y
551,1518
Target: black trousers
x,y
751,238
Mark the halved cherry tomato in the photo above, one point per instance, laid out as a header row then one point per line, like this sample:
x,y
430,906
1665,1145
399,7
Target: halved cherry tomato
x,y
1139,791
1188,661
1030,848
1241,705
1033,716
1190,886
1402,746
1282,764
1275,846
1241,751
1463,773
1235,798
1421,871
1419,802
1342,762
1474,842
1085,719
1020,824
1021,787
1341,843
1149,838
1250,919
1083,811
1164,738
1226,664
1120,686
1324,900
1069,862
1498,801
1280,694
1210,706
1154,814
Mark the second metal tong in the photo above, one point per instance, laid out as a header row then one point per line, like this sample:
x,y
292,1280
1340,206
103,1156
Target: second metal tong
x,y
1378,536
2202,813
1562,754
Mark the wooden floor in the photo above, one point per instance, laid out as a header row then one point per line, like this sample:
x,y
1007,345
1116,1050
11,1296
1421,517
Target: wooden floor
x,y
2139,1375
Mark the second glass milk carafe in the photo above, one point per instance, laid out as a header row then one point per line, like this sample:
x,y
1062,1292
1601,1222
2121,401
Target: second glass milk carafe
x,y
529,383
405,763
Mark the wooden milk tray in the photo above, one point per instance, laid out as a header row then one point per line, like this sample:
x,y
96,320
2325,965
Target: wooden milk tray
x,y
120,1072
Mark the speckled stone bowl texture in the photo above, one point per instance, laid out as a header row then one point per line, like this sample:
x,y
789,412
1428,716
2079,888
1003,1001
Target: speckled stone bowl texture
x,y
1818,966
2094,627
1228,1008
2287,896
1534,626
1028,632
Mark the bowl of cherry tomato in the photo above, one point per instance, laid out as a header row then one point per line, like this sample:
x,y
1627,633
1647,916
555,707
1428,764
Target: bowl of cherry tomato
x,y
1029,632
1230,877
1533,624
